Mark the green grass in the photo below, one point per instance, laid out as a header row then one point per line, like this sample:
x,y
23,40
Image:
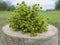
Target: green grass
x,y
5,14
53,16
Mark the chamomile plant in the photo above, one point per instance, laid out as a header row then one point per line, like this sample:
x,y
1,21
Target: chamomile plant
x,y
27,20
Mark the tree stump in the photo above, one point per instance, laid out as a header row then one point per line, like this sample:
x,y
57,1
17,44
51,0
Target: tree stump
x,y
10,37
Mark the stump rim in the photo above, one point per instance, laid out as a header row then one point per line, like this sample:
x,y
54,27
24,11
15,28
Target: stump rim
x,y
42,36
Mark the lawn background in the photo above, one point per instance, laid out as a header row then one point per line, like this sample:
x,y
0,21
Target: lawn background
x,y
53,16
